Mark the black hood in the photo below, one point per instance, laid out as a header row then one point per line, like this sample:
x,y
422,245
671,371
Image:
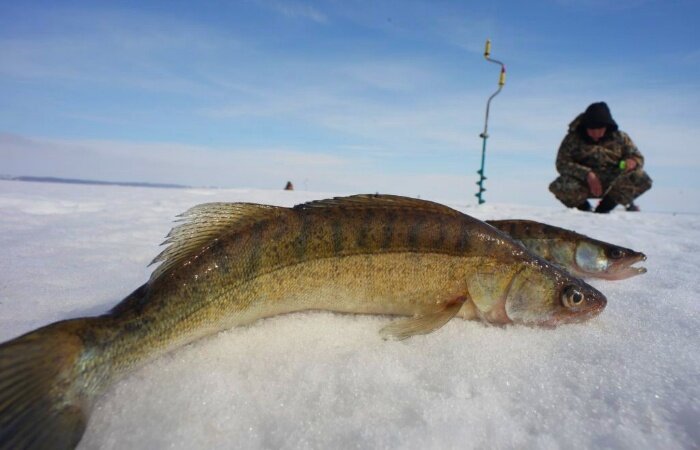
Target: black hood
x,y
597,115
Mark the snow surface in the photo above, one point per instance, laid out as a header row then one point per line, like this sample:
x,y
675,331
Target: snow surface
x,y
627,379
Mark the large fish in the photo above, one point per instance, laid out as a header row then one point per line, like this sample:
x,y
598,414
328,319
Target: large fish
x,y
579,254
230,264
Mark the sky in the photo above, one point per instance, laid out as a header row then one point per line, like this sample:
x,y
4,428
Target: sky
x,y
345,96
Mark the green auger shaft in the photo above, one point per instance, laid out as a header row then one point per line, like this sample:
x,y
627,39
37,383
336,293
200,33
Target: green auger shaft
x,y
485,135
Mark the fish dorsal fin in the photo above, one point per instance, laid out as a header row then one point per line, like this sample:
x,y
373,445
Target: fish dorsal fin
x,y
363,201
202,224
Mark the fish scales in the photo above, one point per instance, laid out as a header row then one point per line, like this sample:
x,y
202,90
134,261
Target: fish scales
x,y
305,236
205,291
232,264
206,296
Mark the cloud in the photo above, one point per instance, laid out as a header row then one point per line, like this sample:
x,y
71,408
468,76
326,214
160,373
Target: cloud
x,y
529,118
162,162
509,180
603,5
690,58
391,106
204,166
115,49
297,10
389,74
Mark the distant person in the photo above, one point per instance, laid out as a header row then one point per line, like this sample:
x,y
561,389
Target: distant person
x,y
289,186
597,160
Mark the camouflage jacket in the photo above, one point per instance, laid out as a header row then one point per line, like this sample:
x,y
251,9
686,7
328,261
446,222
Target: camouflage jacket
x,y
578,155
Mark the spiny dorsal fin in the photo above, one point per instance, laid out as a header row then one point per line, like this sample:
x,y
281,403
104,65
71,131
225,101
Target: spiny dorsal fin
x,y
204,223
529,229
363,201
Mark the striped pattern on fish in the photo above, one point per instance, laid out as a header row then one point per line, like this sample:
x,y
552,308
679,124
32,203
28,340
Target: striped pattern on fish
x,y
231,264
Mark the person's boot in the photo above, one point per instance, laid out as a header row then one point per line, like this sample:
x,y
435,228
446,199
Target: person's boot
x,y
606,205
632,207
585,206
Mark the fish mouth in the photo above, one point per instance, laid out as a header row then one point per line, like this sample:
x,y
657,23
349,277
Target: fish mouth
x,y
578,316
624,268
592,312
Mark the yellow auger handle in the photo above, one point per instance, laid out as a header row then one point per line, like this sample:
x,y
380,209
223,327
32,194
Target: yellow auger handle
x,y
487,51
502,78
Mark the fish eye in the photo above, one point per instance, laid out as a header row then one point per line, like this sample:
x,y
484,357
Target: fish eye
x,y
576,298
615,253
572,297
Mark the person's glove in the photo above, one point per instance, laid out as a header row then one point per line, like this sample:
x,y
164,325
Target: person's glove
x,y
627,165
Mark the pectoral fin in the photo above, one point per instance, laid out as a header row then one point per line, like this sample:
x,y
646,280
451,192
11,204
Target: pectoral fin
x,y
424,324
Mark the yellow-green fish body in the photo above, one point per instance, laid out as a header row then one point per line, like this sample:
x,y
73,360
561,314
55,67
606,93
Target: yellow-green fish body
x,y
580,255
232,264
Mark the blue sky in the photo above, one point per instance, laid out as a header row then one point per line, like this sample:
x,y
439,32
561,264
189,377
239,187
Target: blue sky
x,y
344,96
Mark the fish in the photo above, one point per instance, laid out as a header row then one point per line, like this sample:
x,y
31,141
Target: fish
x,y
231,264
579,254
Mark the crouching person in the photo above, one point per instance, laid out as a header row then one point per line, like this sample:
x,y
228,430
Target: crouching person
x,y
596,160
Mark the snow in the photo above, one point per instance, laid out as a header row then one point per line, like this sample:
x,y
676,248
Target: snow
x,y
626,379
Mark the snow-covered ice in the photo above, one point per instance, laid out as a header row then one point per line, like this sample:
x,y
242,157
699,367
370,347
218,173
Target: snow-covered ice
x,y
627,379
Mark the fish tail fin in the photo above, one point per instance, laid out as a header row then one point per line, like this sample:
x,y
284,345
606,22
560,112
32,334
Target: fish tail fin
x,y
45,392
